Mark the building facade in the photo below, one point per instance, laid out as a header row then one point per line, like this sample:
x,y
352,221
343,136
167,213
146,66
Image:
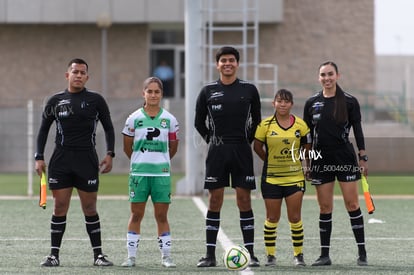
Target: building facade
x,y
124,40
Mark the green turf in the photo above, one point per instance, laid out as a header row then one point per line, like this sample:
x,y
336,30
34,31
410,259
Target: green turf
x,y
24,239
117,184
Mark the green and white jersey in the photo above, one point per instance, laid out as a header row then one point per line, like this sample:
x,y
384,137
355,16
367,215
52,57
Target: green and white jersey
x,y
150,156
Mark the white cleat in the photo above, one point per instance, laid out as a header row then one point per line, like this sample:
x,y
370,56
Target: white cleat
x,y
130,262
168,262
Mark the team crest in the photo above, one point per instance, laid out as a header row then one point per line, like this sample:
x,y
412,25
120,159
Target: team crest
x,y
164,123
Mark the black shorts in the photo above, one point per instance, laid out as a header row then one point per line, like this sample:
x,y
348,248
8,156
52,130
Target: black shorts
x,y
336,163
275,191
225,160
70,168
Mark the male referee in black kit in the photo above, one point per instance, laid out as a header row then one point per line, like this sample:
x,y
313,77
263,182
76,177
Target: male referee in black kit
x,y
232,109
74,162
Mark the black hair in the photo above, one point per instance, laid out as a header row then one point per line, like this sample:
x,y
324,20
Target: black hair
x,y
340,112
227,50
284,94
78,61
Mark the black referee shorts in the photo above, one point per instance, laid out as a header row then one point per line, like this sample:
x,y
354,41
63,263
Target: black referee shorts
x,y
74,168
336,163
230,160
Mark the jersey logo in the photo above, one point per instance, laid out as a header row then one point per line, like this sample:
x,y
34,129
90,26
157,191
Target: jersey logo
x,y
217,107
164,123
297,133
215,94
273,133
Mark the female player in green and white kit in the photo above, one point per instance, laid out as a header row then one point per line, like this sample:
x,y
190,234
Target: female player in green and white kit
x,y
150,141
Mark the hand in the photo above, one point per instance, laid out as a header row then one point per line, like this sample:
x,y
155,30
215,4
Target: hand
x,y
308,176
106,165
40,166
363,165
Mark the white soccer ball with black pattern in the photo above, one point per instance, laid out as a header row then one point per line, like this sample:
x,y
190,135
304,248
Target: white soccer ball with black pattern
x,y
236,257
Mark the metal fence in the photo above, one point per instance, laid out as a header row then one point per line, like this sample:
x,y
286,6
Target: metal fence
x,y
19,124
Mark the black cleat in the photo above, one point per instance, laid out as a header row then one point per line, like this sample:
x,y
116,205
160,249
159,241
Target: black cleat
x,y
254,262
50,260
362,260
322,260
208,261
270,261
298,260
102,261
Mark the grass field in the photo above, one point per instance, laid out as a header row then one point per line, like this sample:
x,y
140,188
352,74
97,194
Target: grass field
x,y
24,238
24,234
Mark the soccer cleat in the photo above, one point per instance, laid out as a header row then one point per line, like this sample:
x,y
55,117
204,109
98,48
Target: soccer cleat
x,y
270,261
102,261
254,262
362,260
208,261
130,262
168,262
322,260
50,260
298,260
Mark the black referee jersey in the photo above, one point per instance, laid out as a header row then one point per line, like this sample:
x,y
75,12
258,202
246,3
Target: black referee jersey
x,y
228,113
326,132
76,116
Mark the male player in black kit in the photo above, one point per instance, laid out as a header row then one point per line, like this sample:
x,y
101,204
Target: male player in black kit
x,y
74,162
232,109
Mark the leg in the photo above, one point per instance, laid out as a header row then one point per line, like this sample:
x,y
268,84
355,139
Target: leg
x,y
213,219
61,198
273,209
212,226
324,193
164,235
134,229
350,194
247,221
294,208
93,225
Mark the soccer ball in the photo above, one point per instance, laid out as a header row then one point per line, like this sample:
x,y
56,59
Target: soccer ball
x,y
236,257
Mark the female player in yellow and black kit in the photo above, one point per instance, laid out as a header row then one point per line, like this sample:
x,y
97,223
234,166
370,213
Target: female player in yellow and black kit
x,y
281,141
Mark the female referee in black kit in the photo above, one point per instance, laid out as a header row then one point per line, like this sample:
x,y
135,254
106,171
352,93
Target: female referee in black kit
x,y
330,115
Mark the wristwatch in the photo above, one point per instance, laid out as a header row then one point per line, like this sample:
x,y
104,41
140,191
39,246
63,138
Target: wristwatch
x,y
111,154
364,157
38,156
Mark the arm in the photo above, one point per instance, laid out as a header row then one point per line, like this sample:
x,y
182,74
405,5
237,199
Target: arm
x,y
258,147
173,147
200,116
47,120
256,114
128,145
355,119
105,118
306,162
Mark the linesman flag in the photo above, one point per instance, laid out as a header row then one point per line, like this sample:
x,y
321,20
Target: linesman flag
x,y
43,191
367,195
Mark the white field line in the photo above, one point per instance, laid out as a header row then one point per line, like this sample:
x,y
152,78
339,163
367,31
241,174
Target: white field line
x,y
222,237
